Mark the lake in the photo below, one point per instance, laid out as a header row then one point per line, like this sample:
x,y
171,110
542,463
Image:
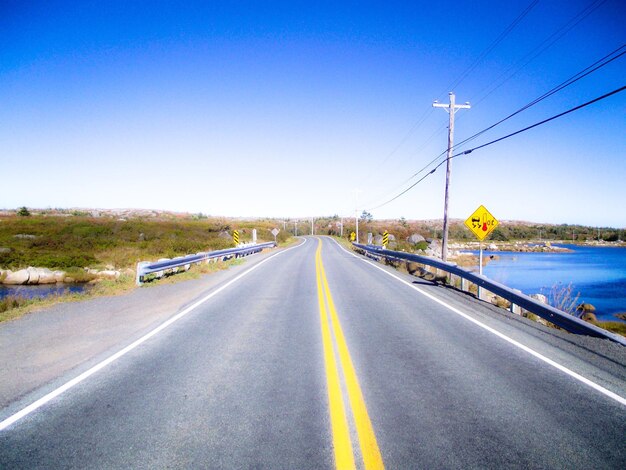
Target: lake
x,y
597,273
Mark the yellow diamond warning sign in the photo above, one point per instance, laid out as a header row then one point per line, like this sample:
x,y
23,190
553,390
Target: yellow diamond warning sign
x,y
481,223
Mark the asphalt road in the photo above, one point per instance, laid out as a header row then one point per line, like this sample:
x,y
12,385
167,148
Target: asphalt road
x,y
317,358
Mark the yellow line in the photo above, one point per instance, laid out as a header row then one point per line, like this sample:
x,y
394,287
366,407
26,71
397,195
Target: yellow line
x,y
342,445
372,458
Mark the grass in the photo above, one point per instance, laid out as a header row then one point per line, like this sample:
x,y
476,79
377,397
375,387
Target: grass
x,y
612,326
73,243
78,241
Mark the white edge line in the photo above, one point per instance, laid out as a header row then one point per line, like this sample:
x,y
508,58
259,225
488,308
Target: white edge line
x,y
88,373
515,343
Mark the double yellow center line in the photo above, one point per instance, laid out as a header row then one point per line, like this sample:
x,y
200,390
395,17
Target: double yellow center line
x,y
342,444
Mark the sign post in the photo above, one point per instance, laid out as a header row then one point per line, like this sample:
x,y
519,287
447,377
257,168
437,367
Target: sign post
x,y
481,223
275,231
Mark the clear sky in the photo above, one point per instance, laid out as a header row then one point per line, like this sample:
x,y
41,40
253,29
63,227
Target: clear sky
x,y
284,109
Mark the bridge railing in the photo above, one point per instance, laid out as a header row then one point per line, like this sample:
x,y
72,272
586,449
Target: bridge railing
x,y
547,312
148,267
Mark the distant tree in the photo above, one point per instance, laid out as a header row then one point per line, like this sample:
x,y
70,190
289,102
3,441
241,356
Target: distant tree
x,y
23,211
366,216
403,222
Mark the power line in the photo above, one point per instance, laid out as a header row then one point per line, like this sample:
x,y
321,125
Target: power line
x,y
544,121
462,77
466,152
541,48
570,81
607,59
493,45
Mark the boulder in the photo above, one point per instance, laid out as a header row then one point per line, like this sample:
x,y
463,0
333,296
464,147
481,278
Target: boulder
x,y
492,247
59,276
108,274
4,249
415,238
46,276
378,240
33,275
589,316
17,277
540,297
585,308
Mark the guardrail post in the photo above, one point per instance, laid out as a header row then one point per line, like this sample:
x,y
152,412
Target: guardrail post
x,y
464,285
516,309
140,273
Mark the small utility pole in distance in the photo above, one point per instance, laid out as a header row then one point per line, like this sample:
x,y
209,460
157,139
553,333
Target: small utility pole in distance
x,y
451,109
356,212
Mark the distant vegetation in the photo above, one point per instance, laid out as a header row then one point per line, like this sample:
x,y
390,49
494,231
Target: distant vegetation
x,y
432,229
78,241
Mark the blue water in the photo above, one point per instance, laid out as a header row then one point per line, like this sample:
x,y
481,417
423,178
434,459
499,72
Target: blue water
x,y
44,290
598,274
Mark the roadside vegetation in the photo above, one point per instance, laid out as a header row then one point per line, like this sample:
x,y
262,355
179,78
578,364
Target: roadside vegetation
x,y
58,242
507,231
76,242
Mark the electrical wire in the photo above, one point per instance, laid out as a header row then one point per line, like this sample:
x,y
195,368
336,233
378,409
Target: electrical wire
x,y
463,76
607,59
466,152
541,48
493,45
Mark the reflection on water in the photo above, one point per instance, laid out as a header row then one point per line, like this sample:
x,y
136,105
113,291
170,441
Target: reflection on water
x,y
45,290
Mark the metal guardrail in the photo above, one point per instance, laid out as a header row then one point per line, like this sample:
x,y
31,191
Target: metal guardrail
x,y
147,267
561,319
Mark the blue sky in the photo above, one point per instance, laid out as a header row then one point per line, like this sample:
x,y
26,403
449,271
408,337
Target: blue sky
x,y
284,109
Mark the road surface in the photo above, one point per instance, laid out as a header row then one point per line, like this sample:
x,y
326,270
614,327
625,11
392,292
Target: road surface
x,y
314,357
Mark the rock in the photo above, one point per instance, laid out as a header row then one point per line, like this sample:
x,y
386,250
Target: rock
x,y
59,276
621,316
46,276
585,308
415,238
378,240
108,274
33,275
69,280
540,297
588,316
25,236
4,249
224,234
492,247
17,277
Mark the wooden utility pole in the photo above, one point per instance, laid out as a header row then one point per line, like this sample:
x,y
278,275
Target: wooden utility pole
x,y
451,109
